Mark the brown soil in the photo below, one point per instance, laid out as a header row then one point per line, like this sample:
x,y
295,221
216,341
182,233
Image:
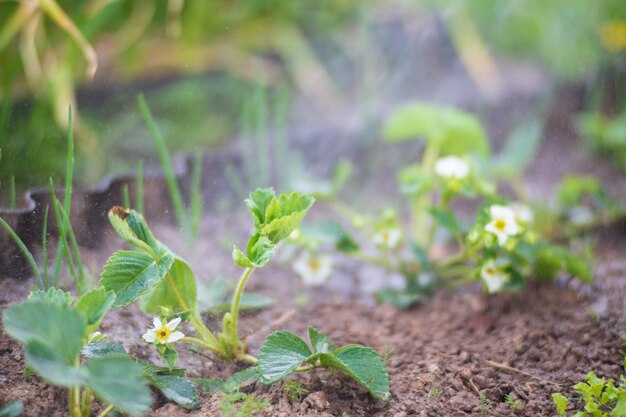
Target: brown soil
x,y
442,355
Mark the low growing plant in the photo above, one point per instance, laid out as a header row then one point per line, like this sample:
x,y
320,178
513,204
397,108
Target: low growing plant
x,y
501,246
601,398
165,286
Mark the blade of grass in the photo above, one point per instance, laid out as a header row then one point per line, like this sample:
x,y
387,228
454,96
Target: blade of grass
x,y
139,187
125,196
69,230
44,247
196,199
67,198
27,254
63,246
281,112
166,165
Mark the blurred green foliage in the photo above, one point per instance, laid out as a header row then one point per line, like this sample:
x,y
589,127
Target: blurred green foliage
x,y
573,38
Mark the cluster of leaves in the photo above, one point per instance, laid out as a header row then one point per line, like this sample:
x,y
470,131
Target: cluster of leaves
x,y
55,331
601,398
456,165
285,352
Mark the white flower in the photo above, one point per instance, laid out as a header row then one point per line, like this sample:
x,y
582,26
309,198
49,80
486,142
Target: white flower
x,y
314,270
493,276
163,333
503,223
95,336
452,167
523,212
387,238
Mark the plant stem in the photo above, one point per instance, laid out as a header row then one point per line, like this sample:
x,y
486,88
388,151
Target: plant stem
x,y
29,256
200,342
202,330
106,411
422,222
74,402
249,358
234,309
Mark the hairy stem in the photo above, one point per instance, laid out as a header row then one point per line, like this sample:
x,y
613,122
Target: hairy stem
x,y
234,309
106,411
202,330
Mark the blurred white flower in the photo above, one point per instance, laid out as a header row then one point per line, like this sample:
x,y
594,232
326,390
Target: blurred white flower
x,y
163,333
523,213
452,167
503,223
580,216
313,269
387,238
493,277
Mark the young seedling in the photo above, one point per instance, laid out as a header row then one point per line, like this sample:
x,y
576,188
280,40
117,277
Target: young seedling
x,y
600,397
294,390
513,402
56,330
166,286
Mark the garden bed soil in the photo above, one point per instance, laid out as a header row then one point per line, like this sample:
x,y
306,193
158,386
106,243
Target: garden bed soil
x,y
441,355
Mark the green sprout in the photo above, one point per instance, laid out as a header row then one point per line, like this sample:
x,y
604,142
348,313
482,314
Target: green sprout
x,y
294,390
166,286
600,397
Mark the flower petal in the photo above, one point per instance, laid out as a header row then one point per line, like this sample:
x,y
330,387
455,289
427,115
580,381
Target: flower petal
x,y
175,337
157,323
150,336
172,324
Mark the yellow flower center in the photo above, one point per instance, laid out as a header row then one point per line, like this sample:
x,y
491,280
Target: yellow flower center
x,y
613,35
500,224
315,265
490,270
162,334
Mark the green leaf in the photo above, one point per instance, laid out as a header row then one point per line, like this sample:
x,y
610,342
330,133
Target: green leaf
x,y
210,385
455,131
237,381
446,218
319,341
400,299
13,409
119,380
413,181
577,267
620,407
170,356
561,402
117,218
51,365
131,274
284,214
241,379
103,348
364,365
519,151
93,306
280,355
337,235
162,294
241,259
149,369
211,295
52,324
257,204
52,295
260,250
177,389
